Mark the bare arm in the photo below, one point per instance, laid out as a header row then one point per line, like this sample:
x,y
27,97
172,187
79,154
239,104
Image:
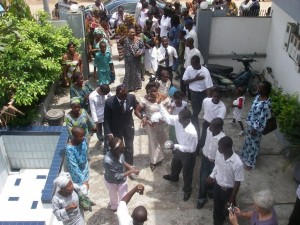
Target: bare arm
x,y
139,188
234,192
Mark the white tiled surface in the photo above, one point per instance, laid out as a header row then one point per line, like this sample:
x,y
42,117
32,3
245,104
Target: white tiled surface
x,y
28,191
27,151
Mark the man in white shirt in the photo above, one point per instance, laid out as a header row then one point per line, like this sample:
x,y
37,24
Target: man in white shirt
x,y
190,51
199,81
214,134
213,107
97,102
99,6
184,156
139,214
191,32
227,176
166,55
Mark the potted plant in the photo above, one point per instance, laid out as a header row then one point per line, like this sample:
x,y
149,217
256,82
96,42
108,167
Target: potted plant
x,y
286,108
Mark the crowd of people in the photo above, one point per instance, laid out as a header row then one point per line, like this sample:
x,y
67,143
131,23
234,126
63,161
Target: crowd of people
x,y
161,42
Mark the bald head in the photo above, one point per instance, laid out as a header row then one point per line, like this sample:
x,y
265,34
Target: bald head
x,y
139,215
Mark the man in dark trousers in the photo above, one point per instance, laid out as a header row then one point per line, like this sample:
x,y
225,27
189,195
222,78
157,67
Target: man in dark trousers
x,y
118,121
184,155
227,176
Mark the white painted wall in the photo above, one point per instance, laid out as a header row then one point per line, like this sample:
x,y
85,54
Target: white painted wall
x,y
284,68
239,34
3,165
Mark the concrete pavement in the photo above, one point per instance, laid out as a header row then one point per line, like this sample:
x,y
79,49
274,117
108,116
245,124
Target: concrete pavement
x,y
163,199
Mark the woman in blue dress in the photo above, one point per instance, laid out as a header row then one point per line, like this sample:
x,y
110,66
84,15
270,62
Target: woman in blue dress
x,y
77,159
257,118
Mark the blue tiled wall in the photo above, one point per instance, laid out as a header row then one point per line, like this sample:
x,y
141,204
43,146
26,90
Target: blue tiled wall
x,y
30,151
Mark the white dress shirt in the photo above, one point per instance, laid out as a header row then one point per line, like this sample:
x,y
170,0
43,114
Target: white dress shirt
x,y
165,25
298,191
97,103
199,85
176,109
212,110
189,53
138,9
187,137
161,55
193,34
226,172
124,217
211,144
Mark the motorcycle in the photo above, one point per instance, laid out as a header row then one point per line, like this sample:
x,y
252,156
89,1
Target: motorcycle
x,y
223,76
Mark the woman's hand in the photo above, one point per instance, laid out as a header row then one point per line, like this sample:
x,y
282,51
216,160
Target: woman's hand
x,y
135,170
233,219
144,121
253,132
86,183
73,205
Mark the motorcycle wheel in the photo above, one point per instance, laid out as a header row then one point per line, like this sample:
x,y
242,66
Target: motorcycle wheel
x,y
215,82
253,85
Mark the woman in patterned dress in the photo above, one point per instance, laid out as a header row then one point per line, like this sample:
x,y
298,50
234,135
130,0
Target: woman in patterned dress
x,y
121,31
134,48
257,118
79,117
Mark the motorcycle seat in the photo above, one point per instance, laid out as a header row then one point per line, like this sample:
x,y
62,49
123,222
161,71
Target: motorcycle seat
x,y
219,69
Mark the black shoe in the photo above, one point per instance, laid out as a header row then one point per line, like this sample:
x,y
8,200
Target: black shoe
x,y
186,196
201,204
170,178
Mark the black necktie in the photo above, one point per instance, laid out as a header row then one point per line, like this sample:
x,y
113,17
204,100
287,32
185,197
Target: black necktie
x,y
122,106
167,58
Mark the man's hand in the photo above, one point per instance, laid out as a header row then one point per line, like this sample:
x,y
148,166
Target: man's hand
x,y
73,205
199,77
140,189
210,180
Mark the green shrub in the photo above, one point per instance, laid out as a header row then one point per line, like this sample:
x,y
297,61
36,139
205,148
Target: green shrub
x,y
32,60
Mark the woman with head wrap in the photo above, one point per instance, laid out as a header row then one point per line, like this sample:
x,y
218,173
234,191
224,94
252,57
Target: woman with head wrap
x,y
263,212
79,117
116,172
81,89
121,31
65,202
77,159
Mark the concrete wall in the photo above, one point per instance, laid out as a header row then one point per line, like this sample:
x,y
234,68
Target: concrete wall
x,y
284,68
241,35
291,7
30,151
3,165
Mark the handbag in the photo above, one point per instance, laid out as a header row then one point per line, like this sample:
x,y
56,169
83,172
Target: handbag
x,y
84,201
271,125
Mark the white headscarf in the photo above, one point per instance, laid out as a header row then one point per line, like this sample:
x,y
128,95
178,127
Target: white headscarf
x,y
62,180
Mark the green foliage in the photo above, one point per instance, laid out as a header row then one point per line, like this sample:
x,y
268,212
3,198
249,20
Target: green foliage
x,y
19,9
287,110
31,60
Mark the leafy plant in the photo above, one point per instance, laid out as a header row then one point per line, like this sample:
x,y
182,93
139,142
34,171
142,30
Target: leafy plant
x,y
286,107
18,8
30,63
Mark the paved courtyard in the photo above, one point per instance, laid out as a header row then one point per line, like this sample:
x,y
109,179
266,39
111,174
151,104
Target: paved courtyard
x,y
163,199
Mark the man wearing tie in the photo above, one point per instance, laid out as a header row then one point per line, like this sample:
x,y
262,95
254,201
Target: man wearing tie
x,y
165,56
118,121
